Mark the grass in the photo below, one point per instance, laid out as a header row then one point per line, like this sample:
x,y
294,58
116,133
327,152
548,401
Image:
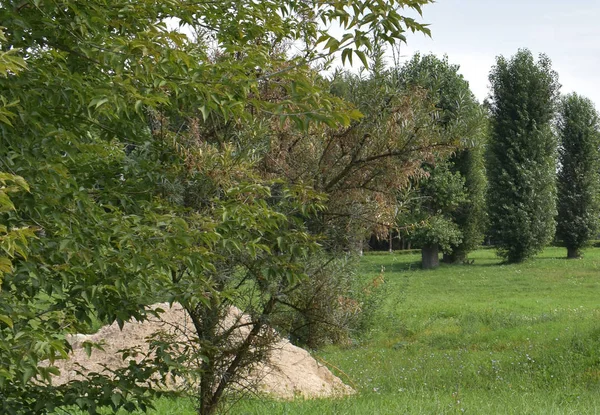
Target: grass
x,y
485,338
482,338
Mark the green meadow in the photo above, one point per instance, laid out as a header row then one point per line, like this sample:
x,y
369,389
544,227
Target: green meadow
x,y
484,338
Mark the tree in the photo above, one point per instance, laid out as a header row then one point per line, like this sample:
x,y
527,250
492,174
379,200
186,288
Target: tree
x,y
578,175
364,166
522,155
135,141
358,167
458,225
470,216
13,242
429,217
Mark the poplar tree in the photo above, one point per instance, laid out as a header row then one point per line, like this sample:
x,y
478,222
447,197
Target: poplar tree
x,y
522,155
578,176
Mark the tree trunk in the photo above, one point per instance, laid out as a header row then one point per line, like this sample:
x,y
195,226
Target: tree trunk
x,y
453,258
448,258
573,253
430,257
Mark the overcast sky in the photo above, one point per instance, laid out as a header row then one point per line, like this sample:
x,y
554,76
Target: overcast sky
x,y
473,32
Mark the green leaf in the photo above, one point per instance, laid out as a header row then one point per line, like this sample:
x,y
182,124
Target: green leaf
x,y
5,203
347,55
204,112
97,102
28,373
6,320
116,398
363,58
5,265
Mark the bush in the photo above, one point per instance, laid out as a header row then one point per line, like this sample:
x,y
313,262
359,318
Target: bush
x,y
332,306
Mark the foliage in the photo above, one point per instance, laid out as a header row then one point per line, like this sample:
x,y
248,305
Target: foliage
x,y
456,226
135,140
522,155
578,180
457,107
13,241
430,212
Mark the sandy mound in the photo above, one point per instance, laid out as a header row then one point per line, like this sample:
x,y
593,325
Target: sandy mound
x,y
289,372
292,371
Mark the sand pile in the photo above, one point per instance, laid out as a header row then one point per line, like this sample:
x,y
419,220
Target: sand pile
x,y
289,372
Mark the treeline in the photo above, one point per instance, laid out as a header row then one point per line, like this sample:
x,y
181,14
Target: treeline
x,y
525,172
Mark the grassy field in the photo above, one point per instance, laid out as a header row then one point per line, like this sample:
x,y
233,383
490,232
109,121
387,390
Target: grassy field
x,y
481,338
484,338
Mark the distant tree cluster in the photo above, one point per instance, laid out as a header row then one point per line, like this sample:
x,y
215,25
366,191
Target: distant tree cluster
x,y
524,173
448,210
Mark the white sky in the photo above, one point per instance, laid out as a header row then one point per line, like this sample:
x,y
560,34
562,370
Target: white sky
x,y
473,32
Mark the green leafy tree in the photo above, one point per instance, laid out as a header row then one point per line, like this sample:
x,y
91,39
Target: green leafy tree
x,y
470,216
13,241
135,142
428,213
459,115
522,155
578,175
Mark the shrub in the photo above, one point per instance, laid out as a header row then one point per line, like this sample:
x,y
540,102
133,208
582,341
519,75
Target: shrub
x,y
331,306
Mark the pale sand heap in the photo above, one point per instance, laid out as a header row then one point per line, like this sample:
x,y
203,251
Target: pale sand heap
x,y
290,372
